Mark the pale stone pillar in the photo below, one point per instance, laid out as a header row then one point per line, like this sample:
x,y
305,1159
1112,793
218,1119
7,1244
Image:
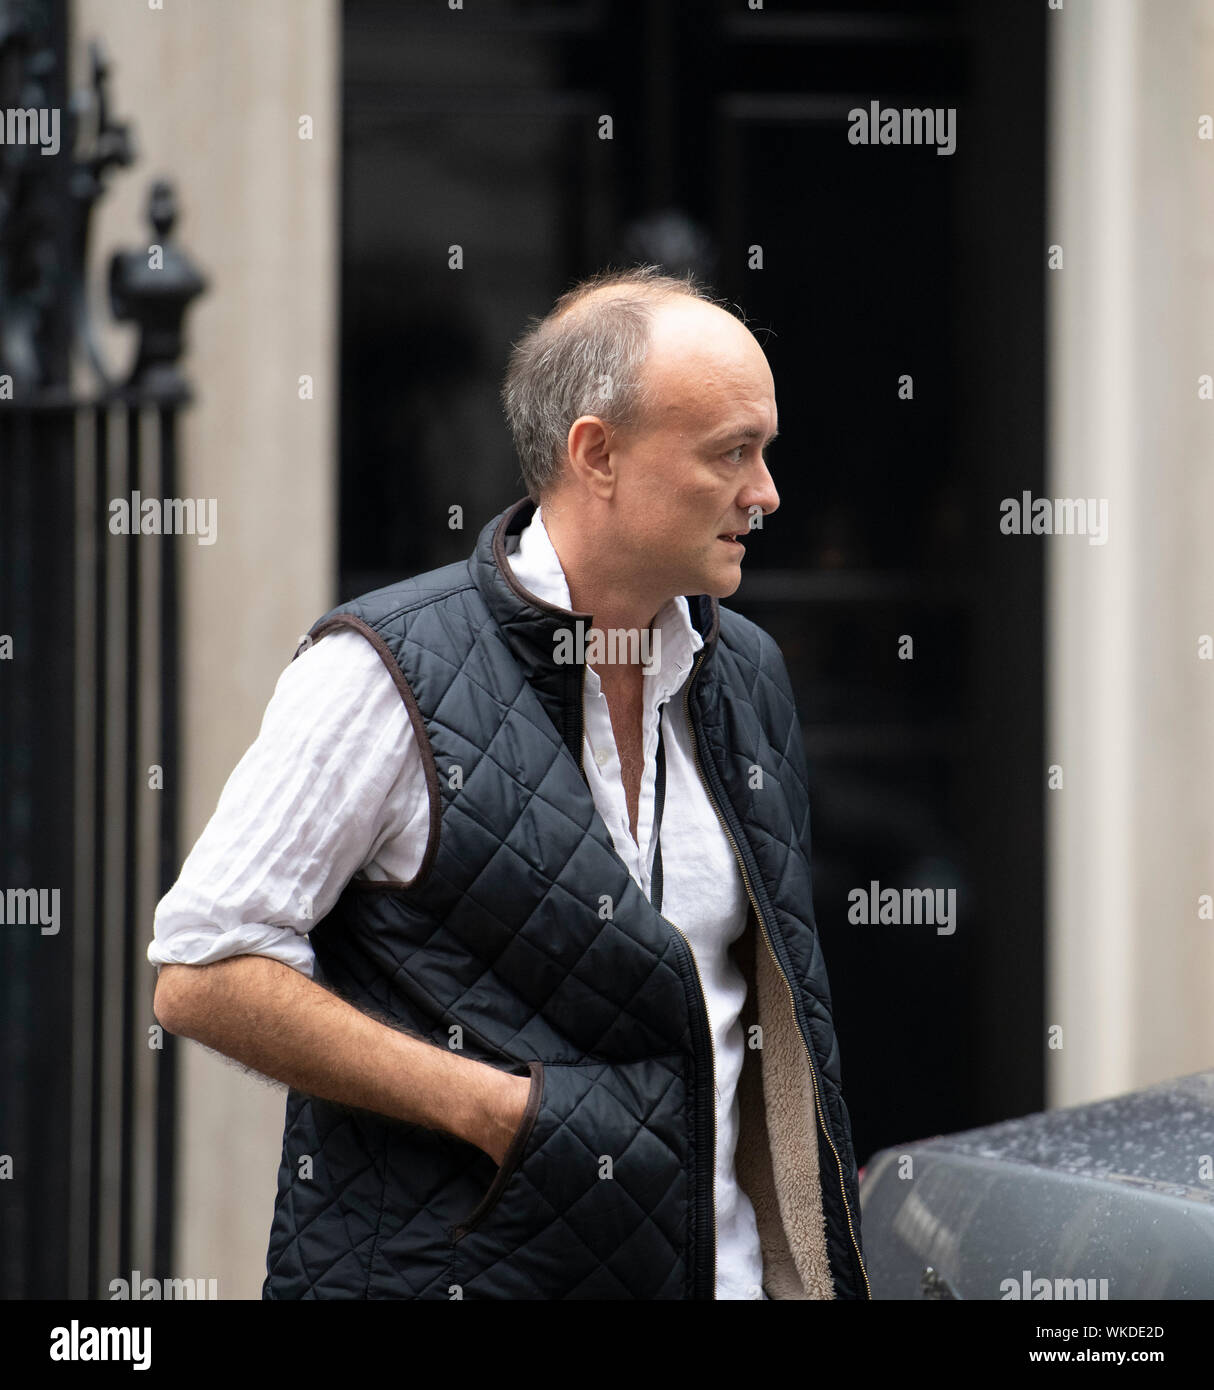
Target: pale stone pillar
x,y
215,90
1131,705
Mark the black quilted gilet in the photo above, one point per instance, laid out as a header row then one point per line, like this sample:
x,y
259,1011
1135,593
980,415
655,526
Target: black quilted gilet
x,y
524,941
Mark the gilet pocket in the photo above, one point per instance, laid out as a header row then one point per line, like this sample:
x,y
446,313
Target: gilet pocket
x,y
591,1201
511,1160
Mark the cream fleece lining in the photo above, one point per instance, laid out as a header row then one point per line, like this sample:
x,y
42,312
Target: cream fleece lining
x,y
777,1154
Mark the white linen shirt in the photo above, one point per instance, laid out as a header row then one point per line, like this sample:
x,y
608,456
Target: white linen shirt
x,y
334,786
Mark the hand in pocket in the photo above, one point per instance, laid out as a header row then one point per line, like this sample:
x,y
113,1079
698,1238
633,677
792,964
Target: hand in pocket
x,y
509,1143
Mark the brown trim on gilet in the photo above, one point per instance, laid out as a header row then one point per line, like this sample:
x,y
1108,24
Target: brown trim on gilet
x,y
423,743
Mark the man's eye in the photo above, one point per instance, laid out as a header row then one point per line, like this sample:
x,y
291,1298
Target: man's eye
x,y
740,450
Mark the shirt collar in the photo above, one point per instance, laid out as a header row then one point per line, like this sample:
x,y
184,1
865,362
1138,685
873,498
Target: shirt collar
x,y
537,567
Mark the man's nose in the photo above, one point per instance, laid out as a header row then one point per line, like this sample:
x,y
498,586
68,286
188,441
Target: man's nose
x,y
761,492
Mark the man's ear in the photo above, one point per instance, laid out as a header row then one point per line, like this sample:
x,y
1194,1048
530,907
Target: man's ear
x,y
590,445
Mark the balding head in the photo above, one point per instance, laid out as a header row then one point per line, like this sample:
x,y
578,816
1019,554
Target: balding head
x,y
698,356
588,356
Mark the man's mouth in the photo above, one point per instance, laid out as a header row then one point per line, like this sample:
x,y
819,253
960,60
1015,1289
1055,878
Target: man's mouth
x,y
733,538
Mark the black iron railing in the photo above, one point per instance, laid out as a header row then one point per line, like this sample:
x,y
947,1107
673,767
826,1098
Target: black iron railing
x,y
88,691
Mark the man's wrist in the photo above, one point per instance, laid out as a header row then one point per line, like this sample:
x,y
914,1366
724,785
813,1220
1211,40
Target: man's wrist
x,y
492,1103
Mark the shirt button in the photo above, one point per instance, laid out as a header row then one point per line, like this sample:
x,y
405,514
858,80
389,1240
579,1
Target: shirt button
x,y
602,757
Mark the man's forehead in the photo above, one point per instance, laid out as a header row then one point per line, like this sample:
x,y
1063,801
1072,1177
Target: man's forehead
x,y
713,415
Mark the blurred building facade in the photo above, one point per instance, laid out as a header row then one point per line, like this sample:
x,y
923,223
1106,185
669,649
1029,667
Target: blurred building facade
x,y
217,94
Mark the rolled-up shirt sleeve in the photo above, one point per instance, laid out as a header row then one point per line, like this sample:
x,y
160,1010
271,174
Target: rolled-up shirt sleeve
x,y
332,785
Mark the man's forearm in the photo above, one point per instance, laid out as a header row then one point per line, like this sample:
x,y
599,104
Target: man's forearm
x,y
272,1018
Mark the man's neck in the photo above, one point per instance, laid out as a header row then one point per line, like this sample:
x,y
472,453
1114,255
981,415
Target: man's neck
x,y
595,583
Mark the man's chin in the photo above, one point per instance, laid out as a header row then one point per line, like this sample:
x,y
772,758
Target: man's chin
x,y
722,585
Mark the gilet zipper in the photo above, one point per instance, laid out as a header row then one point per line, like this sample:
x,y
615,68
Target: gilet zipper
x,y
708,1210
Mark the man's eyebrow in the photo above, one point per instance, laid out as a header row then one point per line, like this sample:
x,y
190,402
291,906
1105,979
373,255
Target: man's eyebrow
x,y
745,432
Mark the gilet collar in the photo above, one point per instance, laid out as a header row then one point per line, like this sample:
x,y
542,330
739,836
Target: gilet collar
x,y
530,625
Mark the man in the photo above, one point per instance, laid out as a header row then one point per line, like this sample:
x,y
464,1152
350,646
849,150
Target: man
x,y
538,822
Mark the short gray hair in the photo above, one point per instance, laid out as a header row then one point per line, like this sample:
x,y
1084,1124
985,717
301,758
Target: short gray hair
x,y
575,362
